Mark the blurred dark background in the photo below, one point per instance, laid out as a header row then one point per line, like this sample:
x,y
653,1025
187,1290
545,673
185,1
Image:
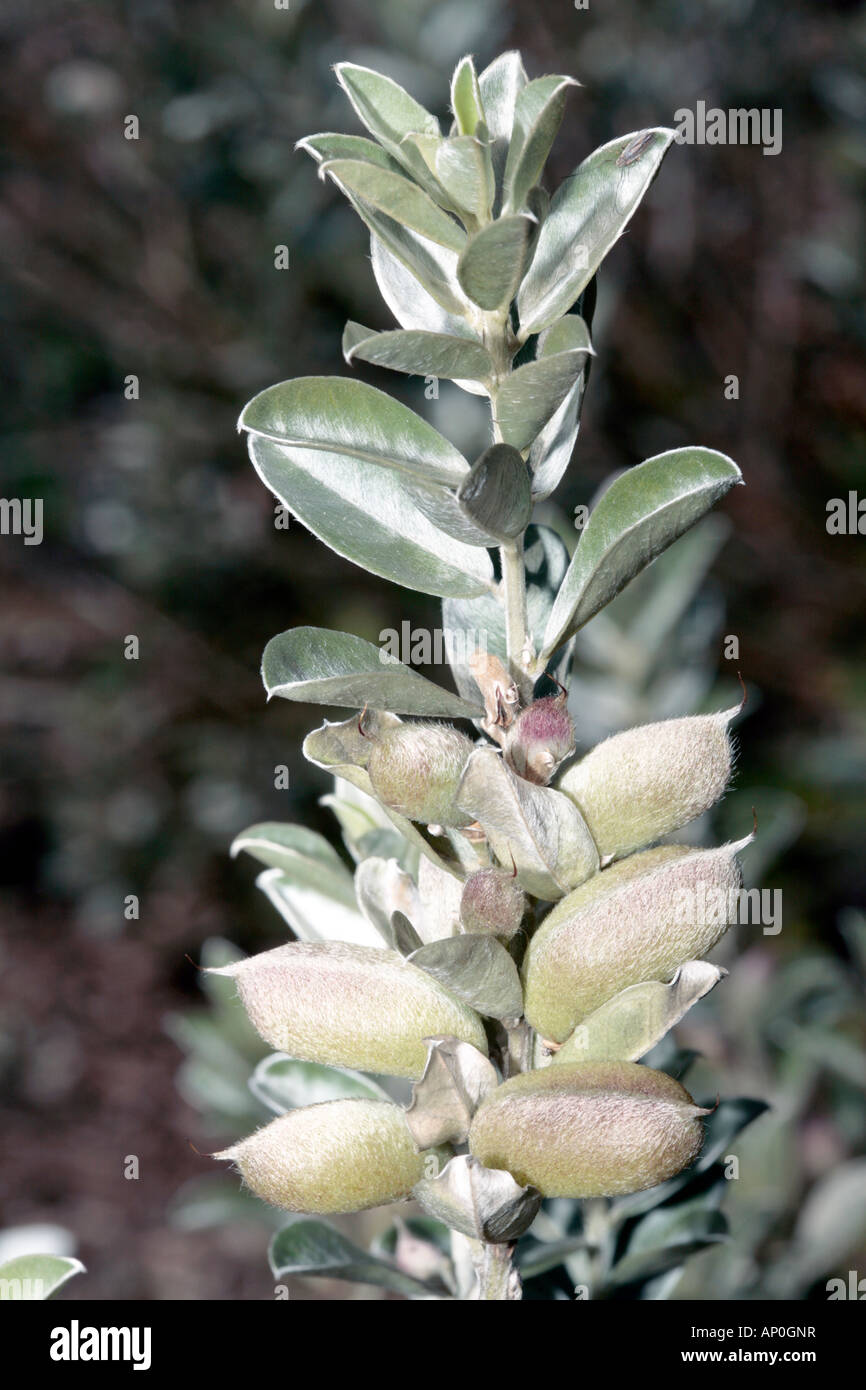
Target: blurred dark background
x,y
155,258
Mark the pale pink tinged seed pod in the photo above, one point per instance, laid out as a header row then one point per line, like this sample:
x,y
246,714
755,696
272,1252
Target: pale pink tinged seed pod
x,y
492,903
638,920
352,1006
589,1129
342,1155
416,768
540,738
644,783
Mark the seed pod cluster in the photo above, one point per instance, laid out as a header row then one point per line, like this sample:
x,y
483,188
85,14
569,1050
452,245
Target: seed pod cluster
x,y
644,783
589,1129
342,1155
352,1006
415,769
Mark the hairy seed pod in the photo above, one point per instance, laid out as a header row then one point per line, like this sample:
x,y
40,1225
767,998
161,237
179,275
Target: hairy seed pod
x,y
492,902
415,769
540,738
639,920
342,1155
644,783
351,1006
591,1129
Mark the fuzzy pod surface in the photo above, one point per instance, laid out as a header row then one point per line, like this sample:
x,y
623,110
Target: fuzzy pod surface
x,y
540,738
641,919
646,782
589,1129
416,768
492,903
347,1005
340,1156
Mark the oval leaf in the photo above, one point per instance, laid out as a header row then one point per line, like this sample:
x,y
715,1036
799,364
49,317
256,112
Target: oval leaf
x,y
419,353
640,515
466,100
304,856
538,113
588,213
330,145
363,513
312,1247
334,415
528,398
390,114
397,197
495,494
627,1026
319,666
32,1278
282,1084
491,265
456,1079
551,846
478,969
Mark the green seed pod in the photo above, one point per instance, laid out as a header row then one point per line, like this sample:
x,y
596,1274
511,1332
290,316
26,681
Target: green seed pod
x,y
638,920
540,738
492,902
415,769
591,1129
342,1155
644,783
351,1006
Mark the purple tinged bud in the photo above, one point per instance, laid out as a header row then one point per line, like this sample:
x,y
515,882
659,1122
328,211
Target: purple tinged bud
x,y
492,903
540,738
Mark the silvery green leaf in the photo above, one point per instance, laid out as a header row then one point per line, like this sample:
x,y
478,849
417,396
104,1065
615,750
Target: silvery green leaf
x,y
832,1221
551,846
417,352
439,895
316,665
480,622
476,968
433,267
482,1203
499,85
305,857
383,888
443,507
311,1247
456,1079
640,515
409,301
495,494
551,450
683,1235
536,1257
491,264
363,512
588,213
313,914
466,100
33,1278
404,937
398,198
282,1084
390,114
538,113
337,416
528,398
330,145
627,1026
465,170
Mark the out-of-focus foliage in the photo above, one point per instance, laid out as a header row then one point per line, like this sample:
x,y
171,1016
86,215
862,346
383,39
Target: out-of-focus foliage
x,y
156,258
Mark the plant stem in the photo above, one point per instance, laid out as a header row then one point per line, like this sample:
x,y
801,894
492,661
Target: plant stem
x,y
498,1280
514,595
